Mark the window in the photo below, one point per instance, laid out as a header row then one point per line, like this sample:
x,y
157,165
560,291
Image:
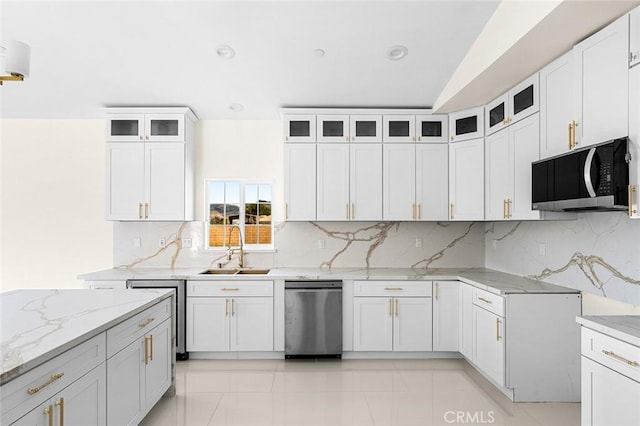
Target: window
x,y
246,206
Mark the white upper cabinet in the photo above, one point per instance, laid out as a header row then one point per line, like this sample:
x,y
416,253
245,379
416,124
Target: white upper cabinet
x,y
365,128
467,124
332,128
300,181
365,190
432,128
151,127
556,106
516,104
432,182
601,76
333,182
466,180
399,182
125,128
299,128
399,128
634,37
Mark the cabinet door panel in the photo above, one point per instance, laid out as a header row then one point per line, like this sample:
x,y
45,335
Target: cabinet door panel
x,y
412,329
333,182
524,144
432,128
125,181
299,128
466,180
495,116
602,73
164,127
300,181
84,399
251,324
467,124
158,369
125,128
556,105
399,128
126,385
365,128
372,324
445,315
608,397
498,175
488,343
208,324
399,177
524,99
466,321
366,181
432,181
165,181
332,128
634,37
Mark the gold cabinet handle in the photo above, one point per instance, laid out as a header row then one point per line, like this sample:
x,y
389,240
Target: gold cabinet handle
x,y
504,208
353,211
286,210
413,211
141,138
620,358
419,138
226,307
498,329
286,138
60,403
347,209
53,378
151,348
390,307
485,300
146,210
229,289
397,308
49,412
451,138
139,210
419,211
435,291
146,137
570,135
393,288
146,322
146,351
233,310
632,190
451,211
509,202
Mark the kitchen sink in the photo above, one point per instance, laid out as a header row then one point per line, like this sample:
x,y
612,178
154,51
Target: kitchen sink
x,y
219,272
253,272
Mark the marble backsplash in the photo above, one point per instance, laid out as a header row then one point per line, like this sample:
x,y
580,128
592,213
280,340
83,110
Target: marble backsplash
x,y
598,253
346,244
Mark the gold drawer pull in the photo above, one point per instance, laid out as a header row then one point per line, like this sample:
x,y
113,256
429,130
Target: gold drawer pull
x,y
485,300
146,322
632,190
151,348
229,289
498,329
54,377
620,358
393,288
397,308
390,306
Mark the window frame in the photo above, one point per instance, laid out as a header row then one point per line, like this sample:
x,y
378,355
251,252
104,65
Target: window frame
x,y
243,183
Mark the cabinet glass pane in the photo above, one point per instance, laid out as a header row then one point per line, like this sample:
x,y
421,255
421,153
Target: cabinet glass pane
x,y
523,100
124,127
333,128
496,115
431,128
466,125
365,128
299,128
164,127
399,128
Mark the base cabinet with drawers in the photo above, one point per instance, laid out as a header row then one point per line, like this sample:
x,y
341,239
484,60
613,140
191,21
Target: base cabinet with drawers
x,y
610,373
392,316
225,316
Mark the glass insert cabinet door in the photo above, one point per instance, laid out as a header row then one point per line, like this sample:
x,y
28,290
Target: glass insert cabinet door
x,y
299,128
399,128
432,128
164,127
496,114
125,128
466,125
332,128
365,128
524,99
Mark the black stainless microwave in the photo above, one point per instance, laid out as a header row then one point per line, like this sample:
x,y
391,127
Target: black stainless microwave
x,y
594,178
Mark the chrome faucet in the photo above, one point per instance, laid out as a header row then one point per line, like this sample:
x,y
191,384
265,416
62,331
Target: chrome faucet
x,y
230,249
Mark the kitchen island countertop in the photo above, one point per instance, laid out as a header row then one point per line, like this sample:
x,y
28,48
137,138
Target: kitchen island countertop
x,y
487,279
38,325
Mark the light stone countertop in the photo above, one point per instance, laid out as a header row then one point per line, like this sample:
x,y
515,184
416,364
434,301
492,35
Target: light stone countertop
x,y
622,327
38,325
487,279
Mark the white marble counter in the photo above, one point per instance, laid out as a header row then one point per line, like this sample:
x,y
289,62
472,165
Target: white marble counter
x,y
493,281
37,325
622,327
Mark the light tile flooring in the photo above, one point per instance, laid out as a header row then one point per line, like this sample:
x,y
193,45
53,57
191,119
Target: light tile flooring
x,y
347,392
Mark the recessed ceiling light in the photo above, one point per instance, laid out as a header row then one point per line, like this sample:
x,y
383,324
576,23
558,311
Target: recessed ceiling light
x,y
225,52
397,52
318,53
235,107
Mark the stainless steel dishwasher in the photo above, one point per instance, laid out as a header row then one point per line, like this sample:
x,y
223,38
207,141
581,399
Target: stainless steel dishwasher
x,y
313,319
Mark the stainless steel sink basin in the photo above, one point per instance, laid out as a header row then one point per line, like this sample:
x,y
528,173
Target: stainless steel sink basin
x,y
219,272
253,272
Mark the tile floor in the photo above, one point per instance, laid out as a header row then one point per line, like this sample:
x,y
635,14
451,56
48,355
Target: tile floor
x,y
348,392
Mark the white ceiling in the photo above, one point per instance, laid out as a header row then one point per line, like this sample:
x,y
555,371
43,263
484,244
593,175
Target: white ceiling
x,y
86,55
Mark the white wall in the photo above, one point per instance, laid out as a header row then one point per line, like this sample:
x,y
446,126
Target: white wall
x,y
52,224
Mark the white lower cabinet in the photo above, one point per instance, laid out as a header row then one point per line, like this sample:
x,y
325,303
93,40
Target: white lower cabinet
x,y
392,316
229,316
465,329
445,315
80,403
488,343
138,375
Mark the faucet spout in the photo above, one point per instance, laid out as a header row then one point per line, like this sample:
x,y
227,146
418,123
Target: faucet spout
x,y
230,250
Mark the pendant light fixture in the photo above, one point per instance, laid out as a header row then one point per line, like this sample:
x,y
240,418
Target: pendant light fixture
x,y
14,61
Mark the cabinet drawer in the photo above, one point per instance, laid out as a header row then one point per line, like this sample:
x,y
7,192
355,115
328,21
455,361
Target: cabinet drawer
x,y
489,301
392,288
21,395
121,335
611,352
229,288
